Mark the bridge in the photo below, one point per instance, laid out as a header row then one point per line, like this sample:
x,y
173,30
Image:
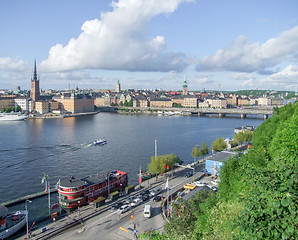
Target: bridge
x,y
221,112
243,112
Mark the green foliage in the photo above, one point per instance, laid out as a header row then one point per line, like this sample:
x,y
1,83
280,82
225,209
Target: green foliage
x,y
243,137
125,103
121,104
130,103
218,145
196,152
162,163
257,196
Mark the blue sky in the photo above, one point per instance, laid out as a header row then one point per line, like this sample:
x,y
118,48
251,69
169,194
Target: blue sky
x,y
150,44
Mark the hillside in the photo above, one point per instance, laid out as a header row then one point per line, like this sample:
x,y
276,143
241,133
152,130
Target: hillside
x,y
257,197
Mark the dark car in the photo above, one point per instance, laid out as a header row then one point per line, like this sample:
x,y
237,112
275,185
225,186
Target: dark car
x,y
145,197
188,174
116,205
156,198
145,192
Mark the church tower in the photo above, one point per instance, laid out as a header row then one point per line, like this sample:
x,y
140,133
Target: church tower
x,y
35,94
118,88
185,89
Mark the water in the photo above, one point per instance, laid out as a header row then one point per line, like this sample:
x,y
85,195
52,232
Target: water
x,y
61,147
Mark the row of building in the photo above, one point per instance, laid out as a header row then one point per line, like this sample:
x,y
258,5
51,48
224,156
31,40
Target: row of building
x,y
76,101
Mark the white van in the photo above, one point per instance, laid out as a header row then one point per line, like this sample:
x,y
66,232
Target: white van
x,y
147,211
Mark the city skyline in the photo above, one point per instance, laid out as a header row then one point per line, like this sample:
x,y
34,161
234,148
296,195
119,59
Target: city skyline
x,y
228,45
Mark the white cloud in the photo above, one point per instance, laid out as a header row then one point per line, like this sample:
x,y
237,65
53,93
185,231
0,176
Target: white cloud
x,y
241,76
244,56
288,76
119,41
14,65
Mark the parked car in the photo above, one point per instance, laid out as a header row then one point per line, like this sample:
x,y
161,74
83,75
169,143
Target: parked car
x,y
214,182
129,199
146,191
124,208
199,184
136,202
156,198
116,205
155,191
145,197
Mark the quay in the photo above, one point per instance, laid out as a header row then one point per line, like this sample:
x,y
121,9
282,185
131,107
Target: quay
x,y
28,197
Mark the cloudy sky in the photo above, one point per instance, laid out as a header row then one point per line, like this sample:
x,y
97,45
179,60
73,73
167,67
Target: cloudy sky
x,y
148,44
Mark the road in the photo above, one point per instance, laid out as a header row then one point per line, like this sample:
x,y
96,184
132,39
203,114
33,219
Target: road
x,y
106,223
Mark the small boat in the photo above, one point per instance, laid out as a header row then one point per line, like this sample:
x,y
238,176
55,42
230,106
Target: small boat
x,y
10,223
99,142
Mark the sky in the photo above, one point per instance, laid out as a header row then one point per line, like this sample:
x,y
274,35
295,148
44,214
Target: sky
x,y
150,44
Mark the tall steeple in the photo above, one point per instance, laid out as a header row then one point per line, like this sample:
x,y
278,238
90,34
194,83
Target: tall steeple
x,y
35,93
185,88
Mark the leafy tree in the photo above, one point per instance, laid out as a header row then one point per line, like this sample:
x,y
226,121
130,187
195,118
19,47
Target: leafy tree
x,y
125,103
204,149
218,145
243,137
121,104
130,103
162,163
196,152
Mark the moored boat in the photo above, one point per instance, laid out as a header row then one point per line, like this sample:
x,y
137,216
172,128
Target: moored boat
x,y
10,223
12,117
75,192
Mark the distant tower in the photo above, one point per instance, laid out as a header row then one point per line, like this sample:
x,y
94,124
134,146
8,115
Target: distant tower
x,y
118,88
185,89
35,94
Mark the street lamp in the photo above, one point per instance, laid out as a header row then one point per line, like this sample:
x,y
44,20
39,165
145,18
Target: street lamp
x,y
27,214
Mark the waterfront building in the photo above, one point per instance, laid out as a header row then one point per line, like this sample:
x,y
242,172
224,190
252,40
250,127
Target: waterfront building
x,y
161,102
243,101
177,99
35,93
185,88
190,101
204,104
217,102
140,101
75,103
99,101
264,101
24,103
232,100
42,107
6,102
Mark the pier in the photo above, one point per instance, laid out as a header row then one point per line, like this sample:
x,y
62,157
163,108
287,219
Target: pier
x,y
28,197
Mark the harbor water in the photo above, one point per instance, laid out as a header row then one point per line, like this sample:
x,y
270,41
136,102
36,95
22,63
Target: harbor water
x,y
62,148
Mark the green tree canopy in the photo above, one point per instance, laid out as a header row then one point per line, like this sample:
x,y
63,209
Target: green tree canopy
x,y
218,145
196,152
162,163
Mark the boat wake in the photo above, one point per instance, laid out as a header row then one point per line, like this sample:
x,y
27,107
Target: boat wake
x,y
23,155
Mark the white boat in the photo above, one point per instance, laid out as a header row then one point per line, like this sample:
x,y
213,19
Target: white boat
x,y
10,223
12,117
99,142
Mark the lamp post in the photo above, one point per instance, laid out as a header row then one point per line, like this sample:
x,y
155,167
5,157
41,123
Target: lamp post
x,y
27,215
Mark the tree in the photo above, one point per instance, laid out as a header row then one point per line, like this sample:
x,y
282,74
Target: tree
x,y
125,103
243,137
162,163
196,152
121,103
130,103
218,145
204,149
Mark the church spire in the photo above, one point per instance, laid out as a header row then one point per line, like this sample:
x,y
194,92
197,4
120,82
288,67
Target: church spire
x,y
35,72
